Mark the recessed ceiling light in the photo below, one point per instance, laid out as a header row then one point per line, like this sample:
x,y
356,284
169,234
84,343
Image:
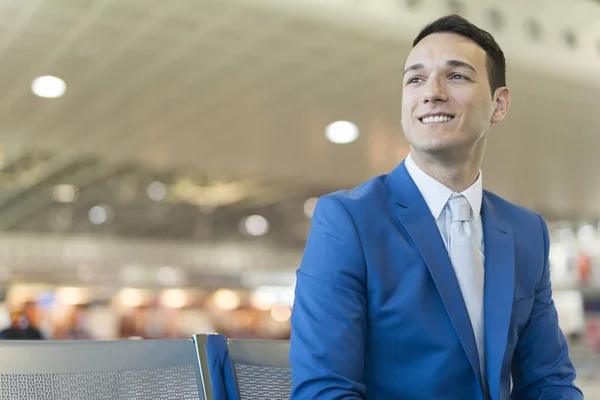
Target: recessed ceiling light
x,y
49,87
156,191
99,214
255,225
65,193
341,132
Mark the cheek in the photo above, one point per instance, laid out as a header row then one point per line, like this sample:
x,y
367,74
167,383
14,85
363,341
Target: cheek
x,y
405,117
479,113
406,111
487,114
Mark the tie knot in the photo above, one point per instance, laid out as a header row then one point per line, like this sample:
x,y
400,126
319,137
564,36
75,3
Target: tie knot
x,y
460,208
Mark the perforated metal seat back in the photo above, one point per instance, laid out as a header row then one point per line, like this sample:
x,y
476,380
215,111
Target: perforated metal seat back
x,y
258,382
99,370
261,368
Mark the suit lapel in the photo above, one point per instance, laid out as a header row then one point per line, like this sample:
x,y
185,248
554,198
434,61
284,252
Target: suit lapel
x,y
498,289
416,218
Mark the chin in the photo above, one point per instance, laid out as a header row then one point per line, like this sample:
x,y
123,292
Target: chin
x,y
437,148
434,144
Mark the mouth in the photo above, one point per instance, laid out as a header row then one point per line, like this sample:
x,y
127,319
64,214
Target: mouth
x,y
436,119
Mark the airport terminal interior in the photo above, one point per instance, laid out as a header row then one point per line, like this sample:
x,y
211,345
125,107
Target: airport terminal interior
x,y
160,161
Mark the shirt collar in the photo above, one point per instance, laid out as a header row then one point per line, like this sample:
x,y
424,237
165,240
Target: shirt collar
x,y
436,195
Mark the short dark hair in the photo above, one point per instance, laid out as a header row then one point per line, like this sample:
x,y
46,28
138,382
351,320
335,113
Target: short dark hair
x,y
496,63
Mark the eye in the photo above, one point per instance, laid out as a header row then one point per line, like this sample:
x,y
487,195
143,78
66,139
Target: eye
x,y
458,76
414,79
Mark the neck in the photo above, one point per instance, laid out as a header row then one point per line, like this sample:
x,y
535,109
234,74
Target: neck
x,y
456,173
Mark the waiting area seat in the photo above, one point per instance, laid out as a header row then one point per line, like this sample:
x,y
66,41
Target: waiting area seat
x,y
206,367
236,369
100,370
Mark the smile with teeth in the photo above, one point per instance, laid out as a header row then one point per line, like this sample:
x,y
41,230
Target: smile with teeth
x,y
436,119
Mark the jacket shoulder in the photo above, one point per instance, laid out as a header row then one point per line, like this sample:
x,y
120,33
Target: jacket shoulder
x,y
366,193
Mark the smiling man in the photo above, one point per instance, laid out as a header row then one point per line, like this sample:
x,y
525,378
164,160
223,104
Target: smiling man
x,y
419,284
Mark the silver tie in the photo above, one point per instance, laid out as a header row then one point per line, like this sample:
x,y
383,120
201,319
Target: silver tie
x,y
468,267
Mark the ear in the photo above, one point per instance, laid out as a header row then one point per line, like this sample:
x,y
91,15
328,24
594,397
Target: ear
x,y
501,103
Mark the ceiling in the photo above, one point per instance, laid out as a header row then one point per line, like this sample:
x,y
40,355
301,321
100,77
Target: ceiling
x,y
184,207
226,103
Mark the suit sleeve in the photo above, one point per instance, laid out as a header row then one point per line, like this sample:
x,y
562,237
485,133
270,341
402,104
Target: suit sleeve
x,y
541,367
329,316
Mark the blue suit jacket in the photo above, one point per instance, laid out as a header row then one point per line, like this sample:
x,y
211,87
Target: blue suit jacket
x,y
379,315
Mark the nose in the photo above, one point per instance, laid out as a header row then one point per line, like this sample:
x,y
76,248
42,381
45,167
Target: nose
x,y
435,92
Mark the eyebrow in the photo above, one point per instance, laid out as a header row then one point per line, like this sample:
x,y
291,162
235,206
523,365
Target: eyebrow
x,y
451,63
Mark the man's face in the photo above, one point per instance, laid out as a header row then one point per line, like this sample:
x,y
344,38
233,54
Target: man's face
x,y
447,104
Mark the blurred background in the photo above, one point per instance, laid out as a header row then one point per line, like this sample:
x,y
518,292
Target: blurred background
x,y
160,160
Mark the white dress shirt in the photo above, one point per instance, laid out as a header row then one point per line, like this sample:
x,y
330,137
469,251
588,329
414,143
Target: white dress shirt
x,y
436,196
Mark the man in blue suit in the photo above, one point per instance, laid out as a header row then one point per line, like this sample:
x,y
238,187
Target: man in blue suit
x,y
419,284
